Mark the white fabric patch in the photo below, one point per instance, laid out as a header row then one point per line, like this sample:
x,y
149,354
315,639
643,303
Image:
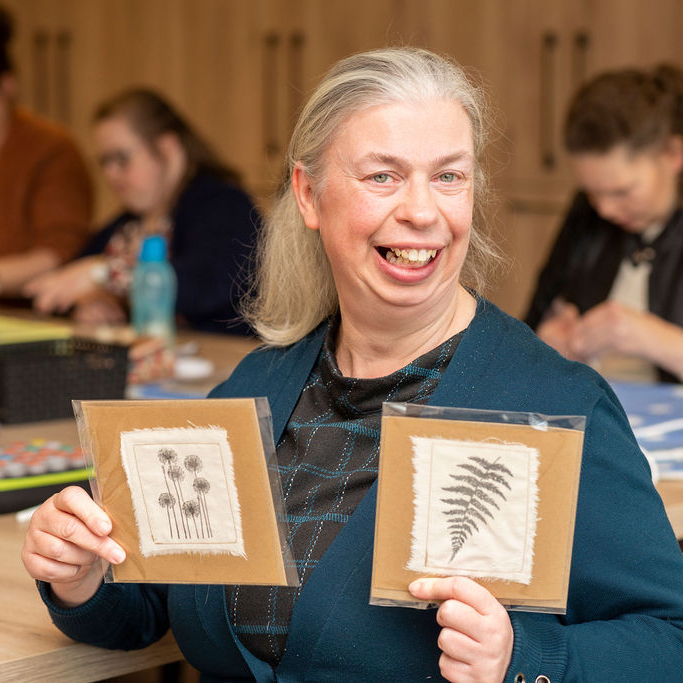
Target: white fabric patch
x,y
474,508
182,483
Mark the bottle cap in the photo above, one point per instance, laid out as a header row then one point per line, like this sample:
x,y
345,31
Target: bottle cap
x,y
153,249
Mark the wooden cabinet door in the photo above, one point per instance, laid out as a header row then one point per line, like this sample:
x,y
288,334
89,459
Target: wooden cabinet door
x,y
299,41
43,54
527,232
636,33
536,65
200,55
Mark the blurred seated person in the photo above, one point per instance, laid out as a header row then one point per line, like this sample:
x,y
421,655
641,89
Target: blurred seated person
x,y
612,288
45,189
170,183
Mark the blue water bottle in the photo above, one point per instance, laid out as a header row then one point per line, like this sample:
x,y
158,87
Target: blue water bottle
x,y
153,292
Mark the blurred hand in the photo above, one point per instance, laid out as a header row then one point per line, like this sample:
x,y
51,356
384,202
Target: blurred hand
x,y
476,636
66,538
558,328
58,290
609,327
99,308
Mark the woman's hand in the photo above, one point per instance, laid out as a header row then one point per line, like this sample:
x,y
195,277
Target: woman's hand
x,y
66,538
99,308
558,328
476,636
58,290
611,327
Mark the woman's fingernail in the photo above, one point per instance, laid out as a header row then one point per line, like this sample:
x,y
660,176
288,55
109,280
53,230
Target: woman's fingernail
x,y
117,556
415,585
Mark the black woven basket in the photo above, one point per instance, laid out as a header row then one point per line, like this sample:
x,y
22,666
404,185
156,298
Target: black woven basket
x,y
38,380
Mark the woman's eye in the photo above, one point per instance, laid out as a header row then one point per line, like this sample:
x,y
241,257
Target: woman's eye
x,y
447,177
381,177
119,158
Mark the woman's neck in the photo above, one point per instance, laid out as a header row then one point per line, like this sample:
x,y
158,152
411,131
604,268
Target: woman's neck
x,y
378,346
156,221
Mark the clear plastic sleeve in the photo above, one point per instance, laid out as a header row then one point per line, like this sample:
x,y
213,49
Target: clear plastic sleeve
x,y
192,488
486,494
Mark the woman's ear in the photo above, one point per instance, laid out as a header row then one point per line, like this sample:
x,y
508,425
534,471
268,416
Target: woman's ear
x,y
303,191
169,146
675,149
8,86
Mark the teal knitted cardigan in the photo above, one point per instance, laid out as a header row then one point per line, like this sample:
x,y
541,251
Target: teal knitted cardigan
x,y
624,619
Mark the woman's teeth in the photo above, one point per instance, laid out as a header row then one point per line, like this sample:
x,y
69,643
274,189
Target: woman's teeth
x,y
410,257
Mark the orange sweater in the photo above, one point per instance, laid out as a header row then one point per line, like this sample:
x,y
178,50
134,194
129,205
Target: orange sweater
x,y
45,190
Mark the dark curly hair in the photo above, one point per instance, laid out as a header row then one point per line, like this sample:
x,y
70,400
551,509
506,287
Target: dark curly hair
x,y
639,108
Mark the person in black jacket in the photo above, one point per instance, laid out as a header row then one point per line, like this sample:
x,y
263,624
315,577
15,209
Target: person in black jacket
x,y
170,183
613,284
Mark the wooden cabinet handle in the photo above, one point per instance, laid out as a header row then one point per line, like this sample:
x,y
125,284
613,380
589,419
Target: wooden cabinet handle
x,y
271,44
41,71
549,41
580,47
297,42
63,76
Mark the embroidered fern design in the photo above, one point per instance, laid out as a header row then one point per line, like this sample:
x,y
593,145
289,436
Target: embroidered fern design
x,y
476,490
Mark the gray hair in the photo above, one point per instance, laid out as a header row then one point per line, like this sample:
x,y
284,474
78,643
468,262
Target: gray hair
x,y
294,291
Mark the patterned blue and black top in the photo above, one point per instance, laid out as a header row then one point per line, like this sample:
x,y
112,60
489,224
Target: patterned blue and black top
x,y
328,459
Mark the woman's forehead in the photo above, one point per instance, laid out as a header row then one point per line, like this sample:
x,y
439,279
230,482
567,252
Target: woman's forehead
x,y
398,128
613,167
114,127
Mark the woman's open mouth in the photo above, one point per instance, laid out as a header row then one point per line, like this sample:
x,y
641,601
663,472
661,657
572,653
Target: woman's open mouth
x,y
407,257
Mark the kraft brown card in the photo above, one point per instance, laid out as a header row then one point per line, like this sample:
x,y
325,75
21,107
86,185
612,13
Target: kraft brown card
x,y
188,488
490,500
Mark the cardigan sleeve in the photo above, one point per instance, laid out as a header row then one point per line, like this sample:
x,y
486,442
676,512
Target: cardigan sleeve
x,y
624,619
120,616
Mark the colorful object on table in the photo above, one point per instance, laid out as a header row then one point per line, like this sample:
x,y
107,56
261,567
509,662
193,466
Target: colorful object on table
x,y
31,471
655,412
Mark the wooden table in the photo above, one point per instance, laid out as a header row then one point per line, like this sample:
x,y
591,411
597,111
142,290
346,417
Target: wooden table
x,y
33,650
31,647
672,495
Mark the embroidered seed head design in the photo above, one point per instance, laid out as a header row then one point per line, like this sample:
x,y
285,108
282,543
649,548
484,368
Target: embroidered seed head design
x,y
476,489
193,512
183,488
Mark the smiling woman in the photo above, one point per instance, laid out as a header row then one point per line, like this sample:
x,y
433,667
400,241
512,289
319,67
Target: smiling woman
x,y
389,188
367,293
295,288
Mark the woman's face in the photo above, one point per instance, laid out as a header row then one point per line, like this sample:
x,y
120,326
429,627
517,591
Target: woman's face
x,y
395,207
632,189
138,176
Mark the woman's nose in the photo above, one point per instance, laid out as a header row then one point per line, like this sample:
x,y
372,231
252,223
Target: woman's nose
x,y
111,173
608,208
417,205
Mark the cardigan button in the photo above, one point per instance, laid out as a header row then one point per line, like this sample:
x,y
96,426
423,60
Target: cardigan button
x,y
520,678
542,679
